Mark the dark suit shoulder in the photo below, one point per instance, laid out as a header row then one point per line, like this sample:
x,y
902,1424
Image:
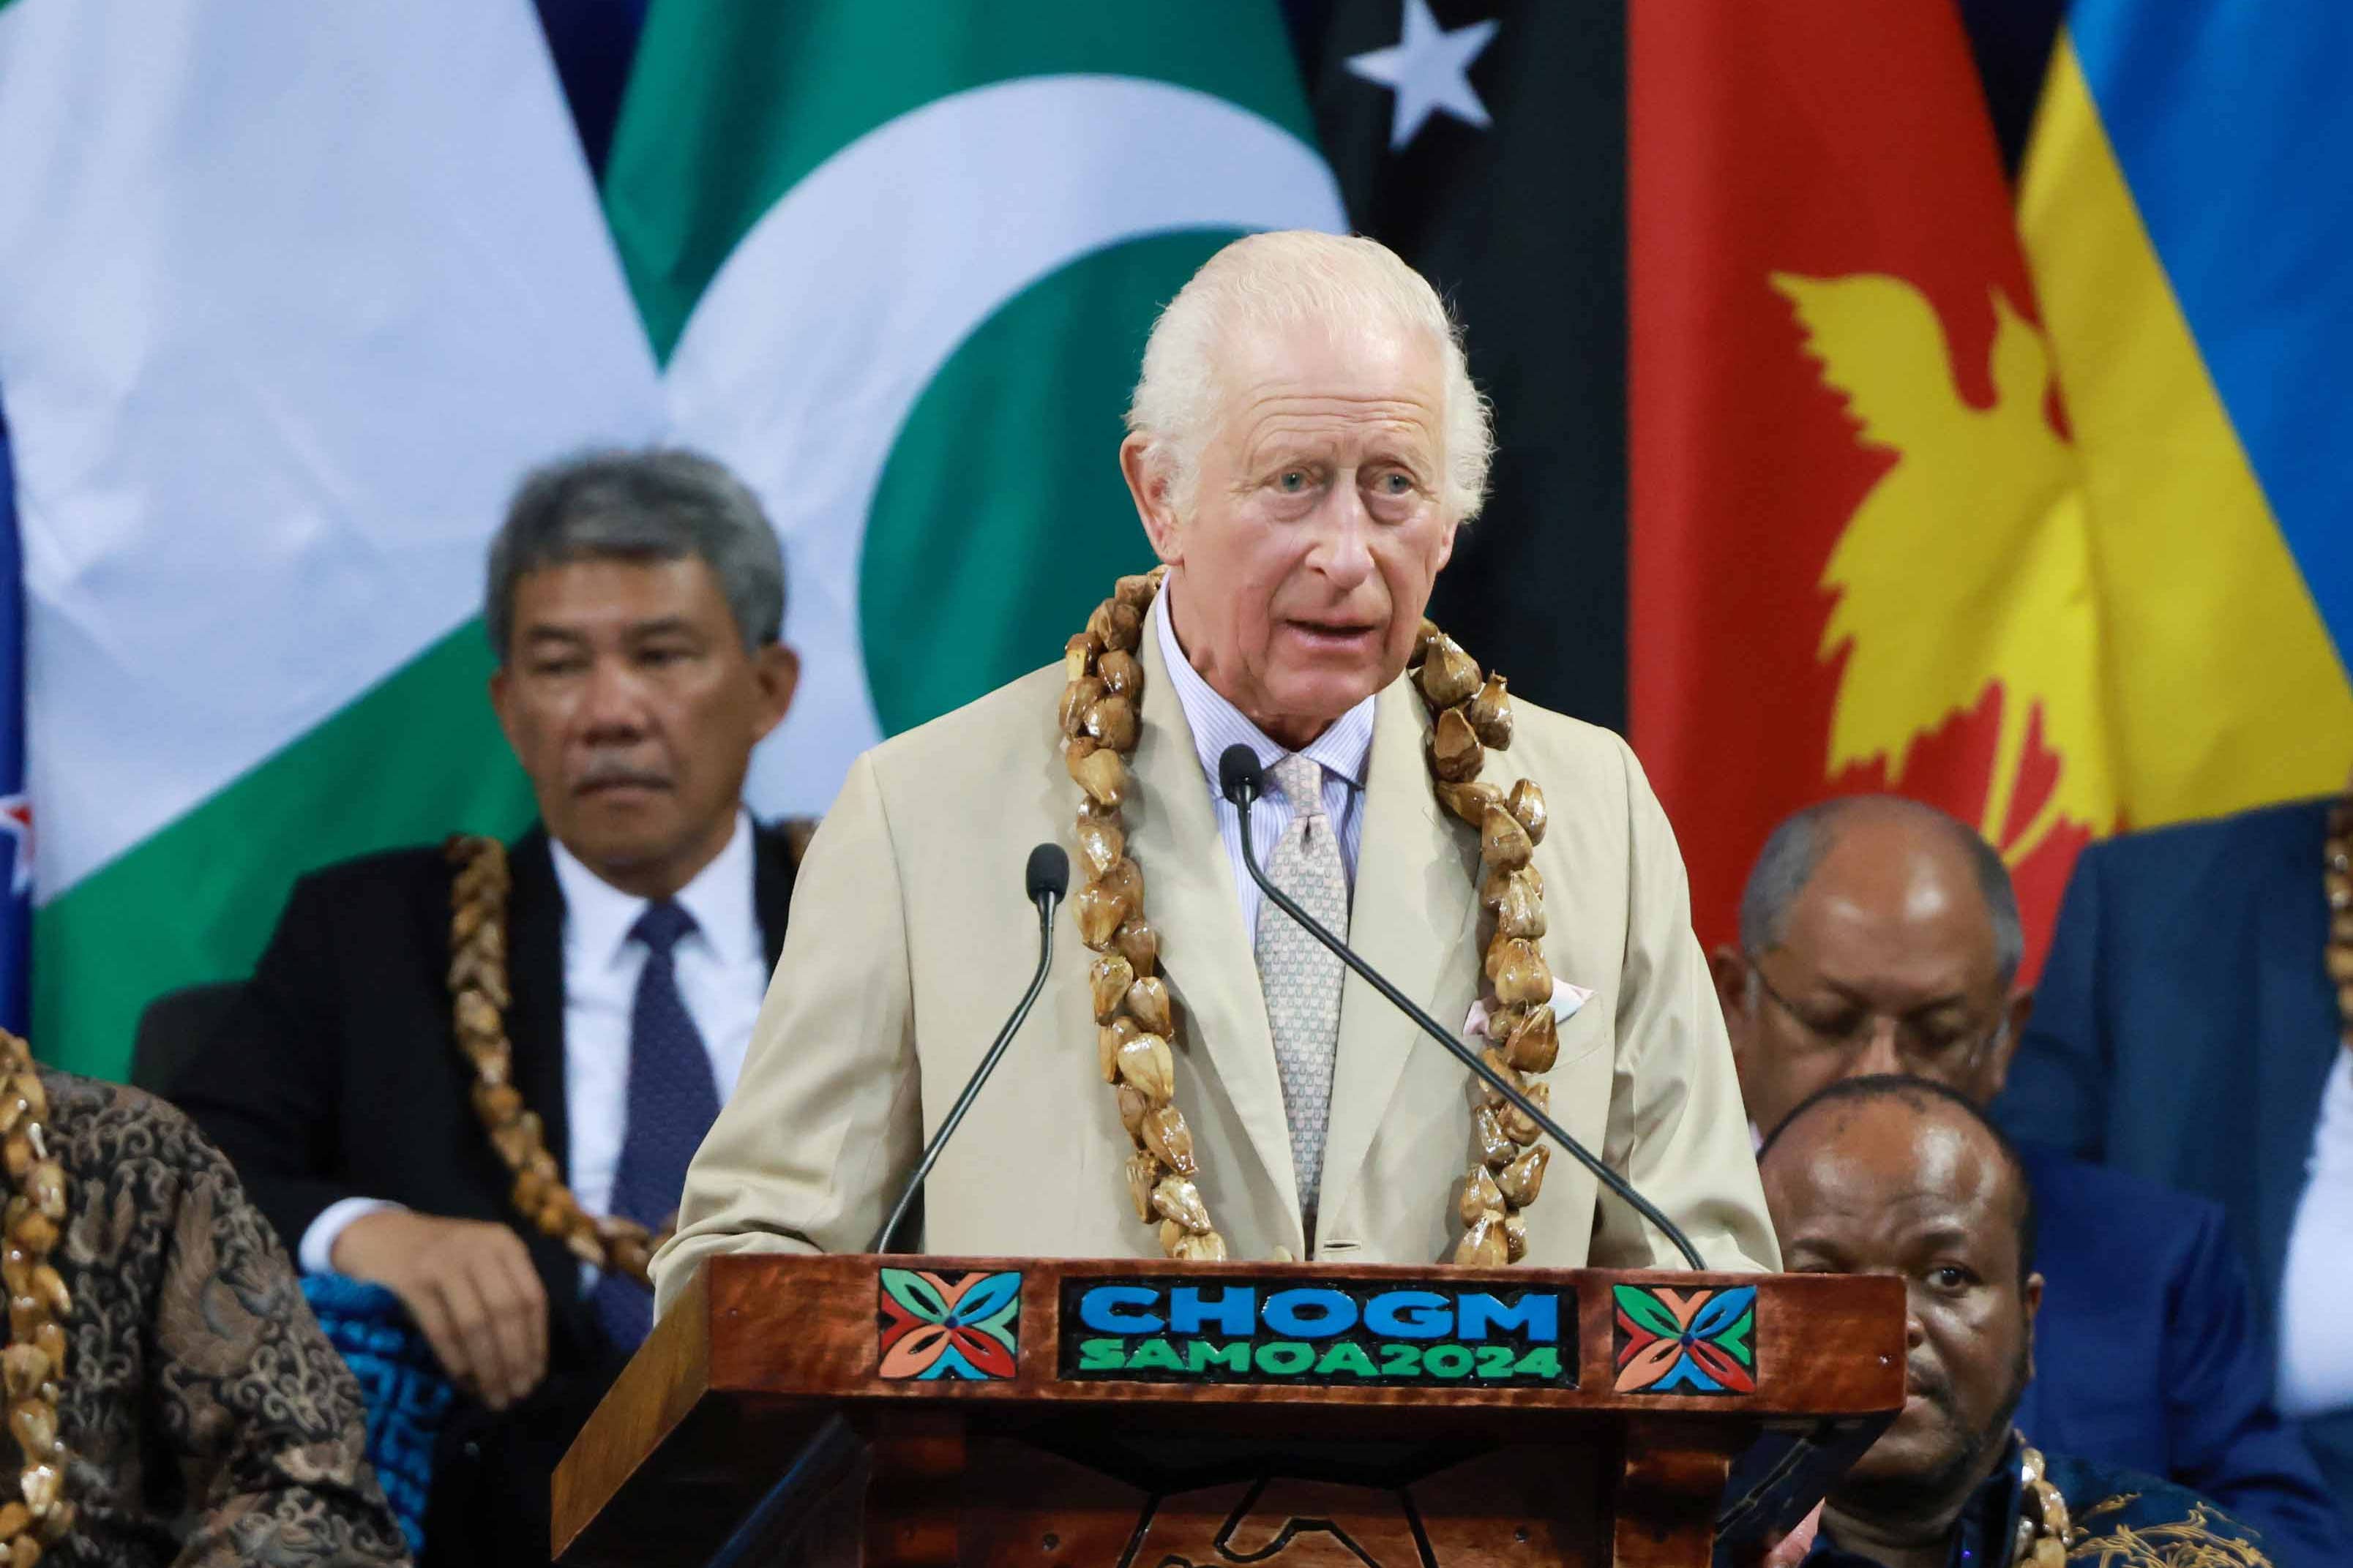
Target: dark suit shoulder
x,y
408,884
414,871
773,842
2131,1215
2183,849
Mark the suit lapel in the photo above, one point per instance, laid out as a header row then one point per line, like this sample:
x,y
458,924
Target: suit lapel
x,y
1411,916
1188,881
2295,1019
772,888
535,973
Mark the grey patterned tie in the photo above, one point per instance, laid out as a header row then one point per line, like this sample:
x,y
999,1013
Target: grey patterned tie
x,y
1300,977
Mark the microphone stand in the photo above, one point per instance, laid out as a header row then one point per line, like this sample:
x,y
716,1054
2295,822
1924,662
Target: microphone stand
x,y
1243,792
1048,876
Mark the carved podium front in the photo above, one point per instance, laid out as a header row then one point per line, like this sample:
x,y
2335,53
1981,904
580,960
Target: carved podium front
x,y
878,1410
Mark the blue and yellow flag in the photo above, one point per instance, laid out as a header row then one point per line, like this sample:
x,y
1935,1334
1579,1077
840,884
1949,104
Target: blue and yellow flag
x,y
2190,230
2013,487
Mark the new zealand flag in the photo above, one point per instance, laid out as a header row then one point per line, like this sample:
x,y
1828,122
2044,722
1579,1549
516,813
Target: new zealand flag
x,y
16,805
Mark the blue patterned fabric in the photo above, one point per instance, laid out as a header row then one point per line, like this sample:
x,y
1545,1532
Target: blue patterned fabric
x,y
2117,1520
407,1397
672,1101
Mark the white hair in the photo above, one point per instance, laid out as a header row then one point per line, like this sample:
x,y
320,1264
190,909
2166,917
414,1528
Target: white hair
x,y
1267,281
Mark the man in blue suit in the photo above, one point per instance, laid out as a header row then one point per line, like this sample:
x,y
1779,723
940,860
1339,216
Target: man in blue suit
x,y
2187,1031
1878,936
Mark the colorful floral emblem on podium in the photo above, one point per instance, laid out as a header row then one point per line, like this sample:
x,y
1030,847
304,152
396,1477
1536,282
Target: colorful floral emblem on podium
x,y
949,1327
1700,1340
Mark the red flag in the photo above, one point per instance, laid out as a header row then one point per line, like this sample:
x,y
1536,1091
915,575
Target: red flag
x,y
1858,554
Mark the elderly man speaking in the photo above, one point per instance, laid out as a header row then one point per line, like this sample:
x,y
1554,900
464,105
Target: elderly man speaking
x,y
1200,1079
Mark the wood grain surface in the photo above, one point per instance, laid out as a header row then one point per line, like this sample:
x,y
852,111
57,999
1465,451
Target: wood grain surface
x,y
692,1456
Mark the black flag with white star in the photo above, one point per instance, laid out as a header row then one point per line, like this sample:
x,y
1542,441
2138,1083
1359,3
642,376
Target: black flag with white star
x,y
1485,141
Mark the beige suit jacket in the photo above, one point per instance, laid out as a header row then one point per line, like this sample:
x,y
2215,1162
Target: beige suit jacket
x,y
910,941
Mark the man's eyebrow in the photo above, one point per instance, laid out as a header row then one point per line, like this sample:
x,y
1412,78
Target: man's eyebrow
x,y
1944,1234
1935,1003
659,624
541,633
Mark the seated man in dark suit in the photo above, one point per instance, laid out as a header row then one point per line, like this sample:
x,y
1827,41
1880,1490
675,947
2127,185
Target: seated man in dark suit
x,y
1902,1177
2192,1028
475,1074
1880,936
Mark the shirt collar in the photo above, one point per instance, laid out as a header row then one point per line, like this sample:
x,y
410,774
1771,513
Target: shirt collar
x,y
598,917
1343,749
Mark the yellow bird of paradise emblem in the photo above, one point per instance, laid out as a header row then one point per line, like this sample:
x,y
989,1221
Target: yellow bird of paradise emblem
x,y
1968,565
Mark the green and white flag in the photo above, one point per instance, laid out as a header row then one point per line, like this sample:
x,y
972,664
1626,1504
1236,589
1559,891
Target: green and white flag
x,y
287,300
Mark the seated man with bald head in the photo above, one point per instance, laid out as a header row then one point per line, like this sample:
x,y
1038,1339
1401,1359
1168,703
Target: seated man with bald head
x,y
1899,1176
1880,936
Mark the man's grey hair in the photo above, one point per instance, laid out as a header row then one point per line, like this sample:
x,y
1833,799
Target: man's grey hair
x,y
1795,850
1265,282
659,504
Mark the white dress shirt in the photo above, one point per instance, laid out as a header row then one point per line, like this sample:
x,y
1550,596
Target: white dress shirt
x,y
722,974
1343,749
2315,1371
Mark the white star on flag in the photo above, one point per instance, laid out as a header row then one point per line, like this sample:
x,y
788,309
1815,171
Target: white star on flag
x,y
1429,69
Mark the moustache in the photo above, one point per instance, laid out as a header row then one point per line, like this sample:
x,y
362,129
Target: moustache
x,y
1930,1383
608,771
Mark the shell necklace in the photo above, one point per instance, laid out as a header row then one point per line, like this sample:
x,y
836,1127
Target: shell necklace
x,y
2041,1539
479,997
34,1364
1101,712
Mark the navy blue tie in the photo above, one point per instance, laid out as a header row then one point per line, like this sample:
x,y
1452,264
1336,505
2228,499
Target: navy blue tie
x,y
672,1101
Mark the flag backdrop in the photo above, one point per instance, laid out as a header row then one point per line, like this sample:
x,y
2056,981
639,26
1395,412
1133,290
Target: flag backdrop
x,y
286,307
897,261
2045,531
1496,166
2192,243
1860,559
16,805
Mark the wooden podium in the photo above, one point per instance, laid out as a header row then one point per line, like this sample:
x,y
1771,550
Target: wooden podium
x,y
1133,1413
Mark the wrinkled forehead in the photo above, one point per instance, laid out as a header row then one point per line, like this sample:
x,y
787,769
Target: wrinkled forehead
x,y
1334,373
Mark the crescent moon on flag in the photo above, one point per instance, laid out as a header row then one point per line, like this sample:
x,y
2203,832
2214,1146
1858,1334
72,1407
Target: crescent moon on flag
x,y
805,357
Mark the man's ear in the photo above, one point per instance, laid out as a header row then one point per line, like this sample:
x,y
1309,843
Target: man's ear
x,y
778,669
1149,484
1446,544
1729,970
502,701
2005,1044
2031,1294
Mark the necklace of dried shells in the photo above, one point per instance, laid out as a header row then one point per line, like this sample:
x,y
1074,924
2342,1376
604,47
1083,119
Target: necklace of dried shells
x,y
2041,1539
478,998
34,1364
1101,715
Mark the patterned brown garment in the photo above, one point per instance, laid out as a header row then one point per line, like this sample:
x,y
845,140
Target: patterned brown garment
x,y
211,1421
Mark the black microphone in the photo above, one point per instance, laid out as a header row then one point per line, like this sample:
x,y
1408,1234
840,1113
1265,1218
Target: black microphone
x,y
1047,878
1241,780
